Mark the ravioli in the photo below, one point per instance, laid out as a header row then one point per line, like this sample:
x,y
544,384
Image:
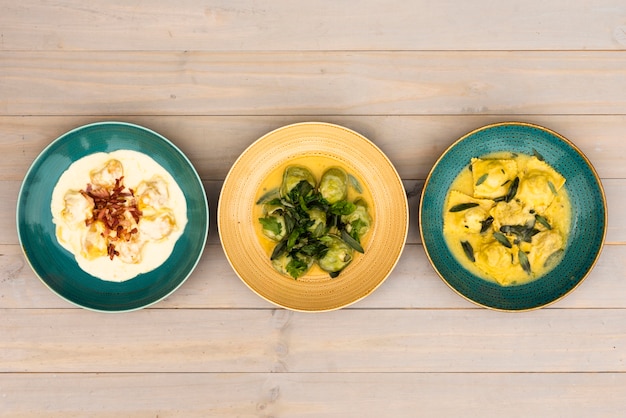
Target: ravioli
x,y
468,220
540,184
492,176
507,217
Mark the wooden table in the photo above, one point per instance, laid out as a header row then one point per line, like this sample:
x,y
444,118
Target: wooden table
x,y
213,76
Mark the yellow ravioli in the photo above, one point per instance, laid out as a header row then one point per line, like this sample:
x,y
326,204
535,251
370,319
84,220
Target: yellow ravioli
x,y
539,184
492,177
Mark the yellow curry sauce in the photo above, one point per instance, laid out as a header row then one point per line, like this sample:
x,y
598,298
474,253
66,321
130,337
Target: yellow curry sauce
x,y
507,239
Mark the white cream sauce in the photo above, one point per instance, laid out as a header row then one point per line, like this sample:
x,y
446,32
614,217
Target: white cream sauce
x,y
163,221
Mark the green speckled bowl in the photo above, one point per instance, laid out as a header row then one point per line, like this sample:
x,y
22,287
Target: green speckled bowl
x,y
58,269
589,216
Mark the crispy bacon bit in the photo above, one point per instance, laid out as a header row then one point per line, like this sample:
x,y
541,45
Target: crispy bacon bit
x,y
110,207
111,251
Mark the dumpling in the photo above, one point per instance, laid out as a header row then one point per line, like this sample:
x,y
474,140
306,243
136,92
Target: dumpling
x,y
511,213
539,184
499,262
338,256
359,221
95,243
130,252
545,244
292,176
318,222
152,195
107,175
78,207
492,177
157,227
465,213
334,185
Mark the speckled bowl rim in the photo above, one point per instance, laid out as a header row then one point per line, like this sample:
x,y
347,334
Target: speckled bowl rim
x,y
568,143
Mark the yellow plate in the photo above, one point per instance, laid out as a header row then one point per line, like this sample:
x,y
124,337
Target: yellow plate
x,y
358,155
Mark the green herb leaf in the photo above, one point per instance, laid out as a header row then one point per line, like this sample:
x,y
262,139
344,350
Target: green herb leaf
x,y
543,221
552,188
553,258
512,190
539,156
523,261
486,224
293,237
279,249
271,224
343,207
351,241
302,189
502,239
482,179
522,232
469,251
463,206
314,249
296,267
268,196
355,183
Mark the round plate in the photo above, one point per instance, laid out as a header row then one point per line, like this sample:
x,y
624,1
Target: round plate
x,y
57,268
589,217
359,156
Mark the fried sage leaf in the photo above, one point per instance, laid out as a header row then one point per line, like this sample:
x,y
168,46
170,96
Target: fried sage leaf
x,y
502,239
469,250
463,206
351,241
543,221
552,188
553,258
355,183
523,261
268,196
523,233
482,179
486,224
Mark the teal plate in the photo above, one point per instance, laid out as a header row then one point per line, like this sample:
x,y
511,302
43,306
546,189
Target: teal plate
x,y
589,216
58,269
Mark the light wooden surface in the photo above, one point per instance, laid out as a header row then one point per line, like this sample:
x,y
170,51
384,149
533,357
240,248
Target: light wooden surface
x,y
213,76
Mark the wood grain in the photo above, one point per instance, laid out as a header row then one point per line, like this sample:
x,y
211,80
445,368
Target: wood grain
x,y
311,83
413,143
307,395
413,284
350,340
321,25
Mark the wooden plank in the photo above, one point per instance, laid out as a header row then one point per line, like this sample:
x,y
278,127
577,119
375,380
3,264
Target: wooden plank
x,y
314,395
351,340
412,284
412,143
311,83
321,25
